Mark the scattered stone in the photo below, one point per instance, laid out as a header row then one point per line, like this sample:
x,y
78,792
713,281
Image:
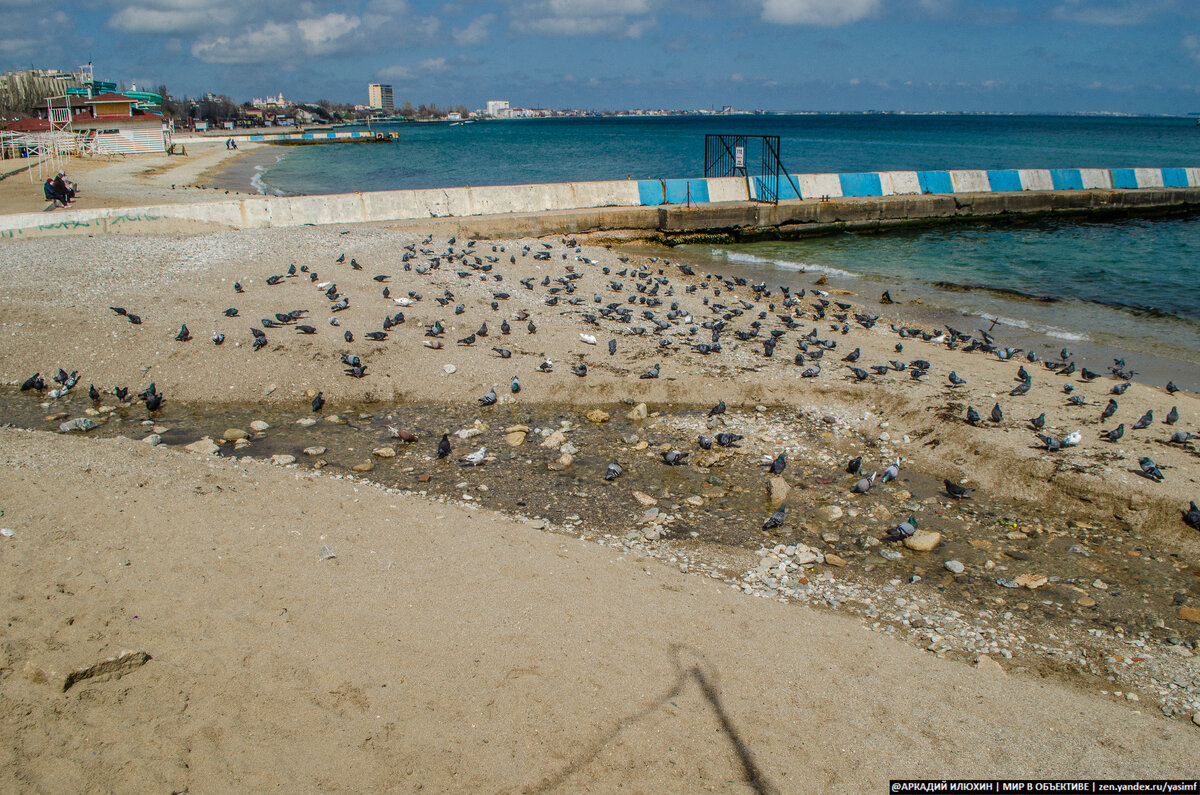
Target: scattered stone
x,y
112,668
515,438
890,554
695,501
314,450
923,540
555,440
241,444
258,426
306,422
334,419
325,554
1085,601
639,412
565,460
154,440
1103,586
835,560
384,452
205,446
645,499
78,424
954,566
779,490
449,369
283,459
597,416
423,478
365,466
829,513
1032,581
1190,614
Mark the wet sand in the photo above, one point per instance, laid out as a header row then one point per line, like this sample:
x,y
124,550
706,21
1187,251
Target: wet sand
x,y
54,296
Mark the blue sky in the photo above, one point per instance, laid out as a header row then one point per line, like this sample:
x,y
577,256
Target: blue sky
x,y
1140,56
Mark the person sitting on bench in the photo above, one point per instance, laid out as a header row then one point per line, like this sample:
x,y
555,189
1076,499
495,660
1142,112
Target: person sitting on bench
x,y
53,195
64,186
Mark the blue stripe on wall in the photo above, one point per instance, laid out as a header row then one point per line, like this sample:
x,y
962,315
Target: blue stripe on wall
x,y
1066,178
1175,177
935,182
788,188
682,190
1004,180
867,184
1124,178
650,191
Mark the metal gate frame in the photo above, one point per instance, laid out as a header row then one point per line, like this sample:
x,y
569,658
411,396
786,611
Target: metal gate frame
x,y
721,159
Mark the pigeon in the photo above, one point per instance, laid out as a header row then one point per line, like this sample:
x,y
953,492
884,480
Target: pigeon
x,y
489,399
237,287
728,439
473,459
853,464
1109,410
1020,389
402,435
503,353
184,335
154,401
612,347
863,485
122,392
579,370
218,338
1071,439
1171,390
305,329
34,382
1192,517
955,379
1149,468
779,464
717,409
587,339
1115,434
651,373
443,449
860,374
318,401
1119,389
704,442
134,319
1039,421
546,366
467,340
973,417
905,529
93,393
515,385
674,458
892,472
997,414
614,471
1052,444
1172,416
376,336
956,491
776,519
1145,421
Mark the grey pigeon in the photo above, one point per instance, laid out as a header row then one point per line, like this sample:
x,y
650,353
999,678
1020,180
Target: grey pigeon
x,y
1145,421
863,485
775,519
905,529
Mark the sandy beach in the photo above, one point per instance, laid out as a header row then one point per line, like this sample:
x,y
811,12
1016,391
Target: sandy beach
x,y
465,638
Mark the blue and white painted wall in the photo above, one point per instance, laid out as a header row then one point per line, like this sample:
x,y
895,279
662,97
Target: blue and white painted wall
x,y
895,183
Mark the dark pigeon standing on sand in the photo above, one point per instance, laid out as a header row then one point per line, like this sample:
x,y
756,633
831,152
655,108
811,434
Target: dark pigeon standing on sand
x,y
956,491
1192,517
1145,421
776,519
614,471
443,449
1109,410
318,401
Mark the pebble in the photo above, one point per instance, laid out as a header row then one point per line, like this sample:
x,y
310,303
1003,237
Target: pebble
x,y
645,499
779,490
204,446
954,566
306,422
1190,614
78,424
282,459
829,513
315,450
890,554
258,426
515,438
923,540
384,452
639,412
450,369
233,434
597,416
365,466
241,444
153,440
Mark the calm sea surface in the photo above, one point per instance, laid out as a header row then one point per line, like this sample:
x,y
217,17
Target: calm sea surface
x,y
1127,285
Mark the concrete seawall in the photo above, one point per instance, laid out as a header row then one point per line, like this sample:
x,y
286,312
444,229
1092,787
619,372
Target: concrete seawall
x,y
672,210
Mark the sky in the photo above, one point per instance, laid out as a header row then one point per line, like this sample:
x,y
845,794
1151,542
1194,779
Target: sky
x,y
1126,56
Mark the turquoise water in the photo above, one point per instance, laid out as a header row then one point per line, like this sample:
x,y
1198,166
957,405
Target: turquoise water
x,y
1129,285
563,150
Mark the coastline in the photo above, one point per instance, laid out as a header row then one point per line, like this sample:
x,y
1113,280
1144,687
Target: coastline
x,y
239,173
467,571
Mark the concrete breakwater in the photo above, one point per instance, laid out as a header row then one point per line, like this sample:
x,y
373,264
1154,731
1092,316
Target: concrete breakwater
x,y
674,210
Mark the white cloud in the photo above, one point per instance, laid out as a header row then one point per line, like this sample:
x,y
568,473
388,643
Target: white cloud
x,y
273,40
474,33
824,13
626,18
133,19
1112,13
1191,45
427,66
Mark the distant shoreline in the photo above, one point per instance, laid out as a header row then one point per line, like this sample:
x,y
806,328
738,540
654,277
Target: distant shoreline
x,y
238,173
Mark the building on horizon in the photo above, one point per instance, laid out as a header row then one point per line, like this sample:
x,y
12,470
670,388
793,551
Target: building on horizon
x,y
379,95
497,108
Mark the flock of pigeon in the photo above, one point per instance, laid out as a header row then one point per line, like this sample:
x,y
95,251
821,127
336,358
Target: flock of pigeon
x,y
639,301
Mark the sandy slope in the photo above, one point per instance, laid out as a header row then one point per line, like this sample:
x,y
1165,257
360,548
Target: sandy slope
x,y
449,649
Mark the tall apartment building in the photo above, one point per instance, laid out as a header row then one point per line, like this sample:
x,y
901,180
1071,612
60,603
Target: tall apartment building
x,y
497,108
379,95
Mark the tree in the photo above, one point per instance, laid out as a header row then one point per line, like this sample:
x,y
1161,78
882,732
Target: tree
x,y
406,109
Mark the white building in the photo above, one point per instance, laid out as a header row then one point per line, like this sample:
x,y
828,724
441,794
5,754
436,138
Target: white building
x,y
379,95
497,108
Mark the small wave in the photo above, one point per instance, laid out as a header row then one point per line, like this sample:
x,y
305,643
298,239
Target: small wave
x,y
1049,331
802,267
260,185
